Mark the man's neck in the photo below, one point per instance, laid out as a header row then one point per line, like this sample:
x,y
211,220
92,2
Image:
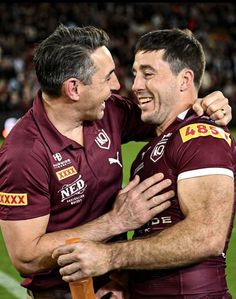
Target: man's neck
x,y
64,117
170,119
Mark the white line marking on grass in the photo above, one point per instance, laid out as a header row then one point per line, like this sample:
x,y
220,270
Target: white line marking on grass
x,y
12,286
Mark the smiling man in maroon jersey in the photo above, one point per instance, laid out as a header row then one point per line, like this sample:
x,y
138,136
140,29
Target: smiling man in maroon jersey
x,y
61,166
183,253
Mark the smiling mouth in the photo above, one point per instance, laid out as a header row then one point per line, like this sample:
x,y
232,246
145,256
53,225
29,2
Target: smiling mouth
x,y
144,100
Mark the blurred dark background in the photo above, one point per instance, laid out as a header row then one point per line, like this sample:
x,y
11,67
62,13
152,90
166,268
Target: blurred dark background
x,y
23,25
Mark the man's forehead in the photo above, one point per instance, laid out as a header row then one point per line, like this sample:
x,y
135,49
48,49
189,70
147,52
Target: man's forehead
x,y
147,58
144,54
102,54
103,60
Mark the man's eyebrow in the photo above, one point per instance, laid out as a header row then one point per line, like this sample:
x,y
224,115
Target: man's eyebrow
x,y
109,74
144,67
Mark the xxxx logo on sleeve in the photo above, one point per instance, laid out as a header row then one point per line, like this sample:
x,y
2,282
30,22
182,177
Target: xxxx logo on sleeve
x,y
13,199
66,173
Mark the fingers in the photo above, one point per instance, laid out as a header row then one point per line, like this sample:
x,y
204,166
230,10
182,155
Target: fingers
x,y
72,269
132,184
216,106
146,184
197,107
214,101
159,208
157,188
162,198
132,209
73,276
223,116
61,250
65,259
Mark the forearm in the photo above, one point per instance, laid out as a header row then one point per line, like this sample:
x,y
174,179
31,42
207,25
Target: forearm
x,y
184,243
34,252
135,205
200,235
180,245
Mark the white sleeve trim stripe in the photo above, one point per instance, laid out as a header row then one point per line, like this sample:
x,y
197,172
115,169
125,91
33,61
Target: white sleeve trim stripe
x,y
203,172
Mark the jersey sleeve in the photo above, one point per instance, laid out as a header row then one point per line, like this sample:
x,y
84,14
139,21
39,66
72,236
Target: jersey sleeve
x,y
24,181
200,149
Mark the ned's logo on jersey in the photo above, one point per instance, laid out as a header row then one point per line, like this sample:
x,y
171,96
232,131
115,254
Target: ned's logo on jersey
x,y
73,193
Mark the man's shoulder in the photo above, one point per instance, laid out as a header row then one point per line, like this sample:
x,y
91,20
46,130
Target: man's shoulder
x,y
23,141
200,122
201,129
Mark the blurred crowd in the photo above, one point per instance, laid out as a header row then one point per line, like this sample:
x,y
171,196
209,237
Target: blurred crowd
x,y
23,25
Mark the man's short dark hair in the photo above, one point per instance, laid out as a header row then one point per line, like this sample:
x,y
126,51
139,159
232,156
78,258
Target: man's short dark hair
x,y
67,53
182,50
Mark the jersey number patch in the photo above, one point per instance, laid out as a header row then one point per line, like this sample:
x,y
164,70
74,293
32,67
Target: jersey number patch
x,y
198,130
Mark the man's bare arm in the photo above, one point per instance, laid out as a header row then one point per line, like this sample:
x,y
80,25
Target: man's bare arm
x,y
207,205
135,205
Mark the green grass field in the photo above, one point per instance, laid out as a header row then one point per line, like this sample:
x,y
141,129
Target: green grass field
x,y
129,152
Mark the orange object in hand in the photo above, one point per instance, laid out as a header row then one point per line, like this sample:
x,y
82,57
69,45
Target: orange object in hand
x,y
82,288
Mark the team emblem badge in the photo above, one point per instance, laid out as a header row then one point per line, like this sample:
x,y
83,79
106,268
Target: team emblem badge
x,y
103,140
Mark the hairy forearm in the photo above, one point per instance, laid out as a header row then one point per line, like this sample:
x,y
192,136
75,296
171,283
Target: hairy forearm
x,y
99,229
200,235
135,204
207,204
185,243
179,245
34,253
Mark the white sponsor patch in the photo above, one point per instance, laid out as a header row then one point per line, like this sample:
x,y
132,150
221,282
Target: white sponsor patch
x,y
73,193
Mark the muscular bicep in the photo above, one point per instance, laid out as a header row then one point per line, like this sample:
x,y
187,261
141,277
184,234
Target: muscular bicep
x,y
207,203
22,237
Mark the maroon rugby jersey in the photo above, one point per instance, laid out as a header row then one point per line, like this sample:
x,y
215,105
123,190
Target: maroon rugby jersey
x,y
192,146
43,172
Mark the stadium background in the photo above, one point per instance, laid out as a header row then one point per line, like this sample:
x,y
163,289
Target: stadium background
x,y
22,25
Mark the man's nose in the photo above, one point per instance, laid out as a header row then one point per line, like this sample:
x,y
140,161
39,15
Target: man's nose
x,y
115,84
138,84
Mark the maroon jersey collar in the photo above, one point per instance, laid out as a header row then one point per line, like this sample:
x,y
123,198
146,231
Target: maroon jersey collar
x,y
54,139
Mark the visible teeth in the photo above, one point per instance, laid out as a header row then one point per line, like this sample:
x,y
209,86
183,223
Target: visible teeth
x,y
144,100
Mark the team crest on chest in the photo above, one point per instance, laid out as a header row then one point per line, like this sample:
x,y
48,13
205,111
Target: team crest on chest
x,y
159,148
103,140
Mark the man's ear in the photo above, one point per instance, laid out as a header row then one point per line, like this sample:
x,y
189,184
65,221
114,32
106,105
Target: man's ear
x,y
186,79
72,88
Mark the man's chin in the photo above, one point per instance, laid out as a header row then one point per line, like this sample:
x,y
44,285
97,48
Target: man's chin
x,y
146,118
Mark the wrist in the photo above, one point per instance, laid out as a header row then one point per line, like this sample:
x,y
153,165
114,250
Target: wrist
x,y
115,225
117,256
